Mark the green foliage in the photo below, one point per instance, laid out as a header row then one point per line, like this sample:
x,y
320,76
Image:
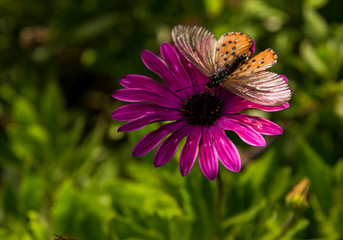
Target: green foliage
x,y
65,169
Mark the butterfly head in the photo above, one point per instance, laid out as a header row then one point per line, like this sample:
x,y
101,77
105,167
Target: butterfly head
x,y
212,83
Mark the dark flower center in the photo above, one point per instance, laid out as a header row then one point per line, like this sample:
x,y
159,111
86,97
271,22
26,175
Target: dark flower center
x,y
202,109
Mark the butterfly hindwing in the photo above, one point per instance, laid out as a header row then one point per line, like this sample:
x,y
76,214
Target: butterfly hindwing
x,y
265,88
262,61
197,45
230,46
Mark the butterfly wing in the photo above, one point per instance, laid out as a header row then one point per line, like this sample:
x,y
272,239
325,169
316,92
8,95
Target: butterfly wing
x,y
197,44
263,61
265,88
253,83
229,47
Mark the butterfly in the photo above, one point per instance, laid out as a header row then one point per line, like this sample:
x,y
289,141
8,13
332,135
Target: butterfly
x,y
228,62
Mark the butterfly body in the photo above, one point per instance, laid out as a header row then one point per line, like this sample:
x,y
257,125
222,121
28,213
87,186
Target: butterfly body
x,y
228,62
219,77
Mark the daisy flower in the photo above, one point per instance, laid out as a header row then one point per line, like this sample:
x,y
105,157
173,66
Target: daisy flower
x,y
193,112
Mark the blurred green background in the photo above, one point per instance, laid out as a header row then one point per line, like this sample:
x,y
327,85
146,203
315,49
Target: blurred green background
x,y
65,169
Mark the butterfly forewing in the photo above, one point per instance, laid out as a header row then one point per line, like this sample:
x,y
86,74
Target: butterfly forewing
x,y
265,88
229,47
197,44
262,61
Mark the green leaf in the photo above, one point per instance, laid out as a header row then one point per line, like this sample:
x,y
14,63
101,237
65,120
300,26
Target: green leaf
x,y
144,199
314,167
180,228
279,184
32,191
38,225
315,25
300,225
338,169
256,178
125,228
51,109
65,208
310,56
214,7
315,3
245,216
94,27
23,112
7,155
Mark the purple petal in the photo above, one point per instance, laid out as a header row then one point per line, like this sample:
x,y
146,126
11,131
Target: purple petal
x,y
152,139
190,150
227,151
141,82
269,108
145,120
198,80
245,132
284,77
208,159
171,57
136,110
168,148
236,104
261,125
159,67
253,48
137,95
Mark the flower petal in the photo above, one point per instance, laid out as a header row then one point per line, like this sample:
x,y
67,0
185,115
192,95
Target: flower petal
x,y
152,139
208,159
136,110
245,132
284,77
137,95
190,149
198,80
253,48
171,57
145,120
147,84
141,82
236,104
269,108
168,148
227,151
155,64
261,125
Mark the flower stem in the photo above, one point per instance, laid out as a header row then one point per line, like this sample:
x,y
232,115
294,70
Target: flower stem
x,y
286,226
219,196
218,208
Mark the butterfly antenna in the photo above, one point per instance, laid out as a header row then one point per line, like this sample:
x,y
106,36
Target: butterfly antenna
x,y
189,87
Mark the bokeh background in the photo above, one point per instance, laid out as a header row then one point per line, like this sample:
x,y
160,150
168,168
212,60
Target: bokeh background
x,y
65,169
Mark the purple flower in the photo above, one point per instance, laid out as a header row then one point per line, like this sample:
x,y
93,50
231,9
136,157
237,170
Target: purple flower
x,y
197,114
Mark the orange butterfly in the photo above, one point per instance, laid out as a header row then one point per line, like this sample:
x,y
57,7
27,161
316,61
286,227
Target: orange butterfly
x,y
228,63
